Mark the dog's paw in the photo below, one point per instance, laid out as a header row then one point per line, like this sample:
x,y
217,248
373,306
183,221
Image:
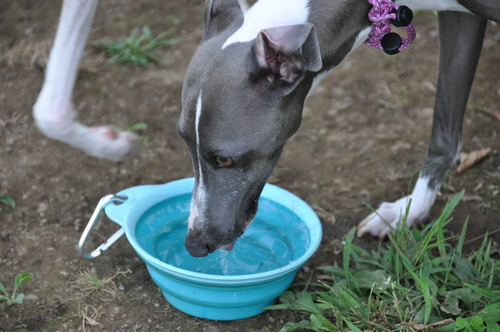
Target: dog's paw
x,y
413,208
113,144
387,217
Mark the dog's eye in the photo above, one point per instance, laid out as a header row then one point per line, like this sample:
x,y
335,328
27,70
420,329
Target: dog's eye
x,y
224,161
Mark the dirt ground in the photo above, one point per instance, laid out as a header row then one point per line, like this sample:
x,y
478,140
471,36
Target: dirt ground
x,y
364,131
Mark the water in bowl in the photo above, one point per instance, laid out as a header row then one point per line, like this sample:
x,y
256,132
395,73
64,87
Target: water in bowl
x,y
275,238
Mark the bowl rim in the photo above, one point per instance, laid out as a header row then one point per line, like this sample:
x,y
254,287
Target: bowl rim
x,y
141,198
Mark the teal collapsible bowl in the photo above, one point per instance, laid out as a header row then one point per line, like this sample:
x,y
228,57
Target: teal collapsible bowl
x,y
145,214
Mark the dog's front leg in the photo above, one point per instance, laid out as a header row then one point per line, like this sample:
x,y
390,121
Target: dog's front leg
x,y
53,110
461,37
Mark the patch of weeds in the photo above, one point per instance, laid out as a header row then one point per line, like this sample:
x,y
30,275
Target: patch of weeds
x,y
88,281
7,200
138,128
139,49
421,281
20,278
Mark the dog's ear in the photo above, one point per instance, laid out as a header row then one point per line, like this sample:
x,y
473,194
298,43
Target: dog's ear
x,y
219,15
286,53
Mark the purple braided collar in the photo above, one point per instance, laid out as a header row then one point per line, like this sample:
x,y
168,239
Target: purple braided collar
x,y
381,15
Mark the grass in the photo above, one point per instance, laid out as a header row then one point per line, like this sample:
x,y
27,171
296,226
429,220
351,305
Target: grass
x,y
15,298
139,49
107,290
421,281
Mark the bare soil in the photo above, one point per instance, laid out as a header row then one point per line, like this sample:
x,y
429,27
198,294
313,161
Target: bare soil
x,y
364,131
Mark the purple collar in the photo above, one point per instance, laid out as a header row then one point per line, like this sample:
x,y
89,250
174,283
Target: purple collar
x,y
383,13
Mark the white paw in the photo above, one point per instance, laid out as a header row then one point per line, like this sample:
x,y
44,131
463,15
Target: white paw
x,y
108,142
388,215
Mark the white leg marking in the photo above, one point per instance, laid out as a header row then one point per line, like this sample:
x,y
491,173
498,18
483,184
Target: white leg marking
x,y
198,200
267,14
53,110
388,215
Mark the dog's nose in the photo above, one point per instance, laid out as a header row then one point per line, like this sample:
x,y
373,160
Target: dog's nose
x,y
197,248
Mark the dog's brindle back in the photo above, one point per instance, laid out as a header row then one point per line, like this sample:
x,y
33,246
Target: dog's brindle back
x,y
246,85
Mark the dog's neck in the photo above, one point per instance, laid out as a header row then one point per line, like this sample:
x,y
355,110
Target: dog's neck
x,y
338,24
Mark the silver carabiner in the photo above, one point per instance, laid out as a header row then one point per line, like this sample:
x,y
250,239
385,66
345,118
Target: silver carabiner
x,y
94,220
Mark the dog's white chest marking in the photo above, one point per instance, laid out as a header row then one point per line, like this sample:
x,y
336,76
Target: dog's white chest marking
x,y
267,14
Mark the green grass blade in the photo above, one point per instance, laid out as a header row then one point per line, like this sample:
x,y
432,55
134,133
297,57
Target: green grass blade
x,y
488,294
346,255
353,327
321,322
461,240
424,288
294,326
441,245
400,256
442,220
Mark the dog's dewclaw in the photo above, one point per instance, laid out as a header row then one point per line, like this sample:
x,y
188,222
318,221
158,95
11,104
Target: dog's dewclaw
x,y
472,158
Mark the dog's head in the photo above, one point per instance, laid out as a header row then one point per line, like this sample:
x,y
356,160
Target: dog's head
x,y
240,103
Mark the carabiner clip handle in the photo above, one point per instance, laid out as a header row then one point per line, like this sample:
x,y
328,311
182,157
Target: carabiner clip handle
x,y
94,220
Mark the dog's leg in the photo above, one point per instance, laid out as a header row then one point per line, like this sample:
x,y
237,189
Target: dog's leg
x,y
53,110
461,37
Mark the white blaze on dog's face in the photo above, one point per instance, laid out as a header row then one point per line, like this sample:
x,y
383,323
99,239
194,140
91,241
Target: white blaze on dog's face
x,y
199,192
231,164
238,112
